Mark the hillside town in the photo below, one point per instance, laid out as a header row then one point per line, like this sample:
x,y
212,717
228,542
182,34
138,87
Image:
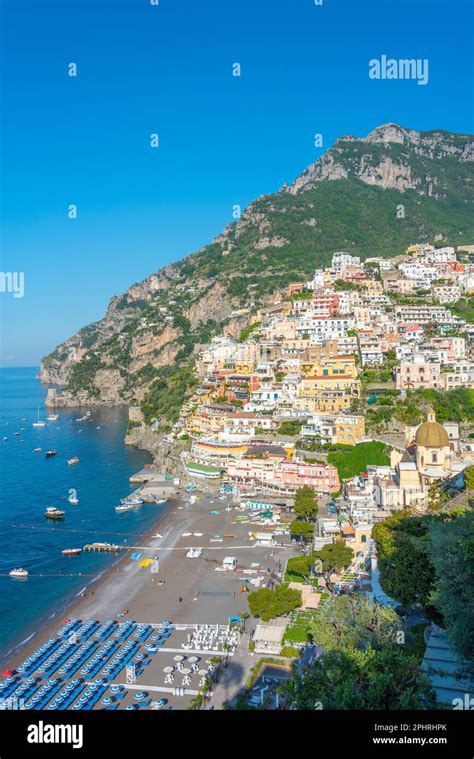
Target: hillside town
x,y
310,371
331,394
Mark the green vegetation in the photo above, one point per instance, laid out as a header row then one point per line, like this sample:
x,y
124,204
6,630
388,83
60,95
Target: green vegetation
x,y
306,504
301,529
464,308
83,374
364,664
166,395
334,557
429,561
268,604
247,331
352,462
298,569
290,427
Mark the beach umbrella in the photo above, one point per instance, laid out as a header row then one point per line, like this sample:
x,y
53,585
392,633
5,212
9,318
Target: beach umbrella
x,y
7,673
185,671
168,670
193,659
203,672
179,657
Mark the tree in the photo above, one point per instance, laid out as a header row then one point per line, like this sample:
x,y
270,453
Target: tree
x,y
452,555
469,477
406,571
353,621
306,505
299,565
371,679
363,664
303,530
334,556
267,604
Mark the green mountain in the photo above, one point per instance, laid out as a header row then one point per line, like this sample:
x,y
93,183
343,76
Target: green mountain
x,y
370,196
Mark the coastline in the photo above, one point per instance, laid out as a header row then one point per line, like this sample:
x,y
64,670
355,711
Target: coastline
x,y
73,603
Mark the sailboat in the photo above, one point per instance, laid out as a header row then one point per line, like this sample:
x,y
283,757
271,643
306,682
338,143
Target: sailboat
x,y
39,423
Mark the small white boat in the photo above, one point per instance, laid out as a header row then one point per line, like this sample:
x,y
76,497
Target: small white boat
x,y
37,450
161,500
74,500
73,461
135,501
126,507
18,573
39,423
5,439
52,417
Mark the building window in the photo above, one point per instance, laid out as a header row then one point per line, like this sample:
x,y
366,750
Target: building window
x,y
435,458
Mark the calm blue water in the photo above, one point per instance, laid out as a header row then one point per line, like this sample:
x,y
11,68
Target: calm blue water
x,y
29,483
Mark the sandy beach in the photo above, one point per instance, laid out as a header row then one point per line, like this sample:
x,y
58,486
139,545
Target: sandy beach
x,y
186,591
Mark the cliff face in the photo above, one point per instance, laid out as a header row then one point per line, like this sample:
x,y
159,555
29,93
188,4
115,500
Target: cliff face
x,y
141,352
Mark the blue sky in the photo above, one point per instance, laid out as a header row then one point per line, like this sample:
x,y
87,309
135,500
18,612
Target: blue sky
x,y
224,140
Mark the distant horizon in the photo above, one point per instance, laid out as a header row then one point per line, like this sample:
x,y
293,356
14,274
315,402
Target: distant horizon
x,y
223,140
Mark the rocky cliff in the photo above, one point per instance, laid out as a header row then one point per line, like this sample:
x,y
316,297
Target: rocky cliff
x,y
141,352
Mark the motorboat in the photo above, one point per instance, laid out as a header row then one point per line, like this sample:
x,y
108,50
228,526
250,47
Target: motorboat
x,y
73,499
73,461
132,501
50,454
126,507
37,450
53,513
71,551
18,573
52,417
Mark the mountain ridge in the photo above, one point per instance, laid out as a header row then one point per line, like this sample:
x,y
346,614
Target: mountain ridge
x,y
348,199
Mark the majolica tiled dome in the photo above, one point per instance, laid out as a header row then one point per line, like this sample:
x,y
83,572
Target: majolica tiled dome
x,y
431,434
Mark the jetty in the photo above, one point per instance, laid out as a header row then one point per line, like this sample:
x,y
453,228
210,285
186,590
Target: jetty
x,y
107,547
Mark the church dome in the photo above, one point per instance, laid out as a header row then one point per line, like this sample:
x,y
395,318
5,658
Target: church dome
x,y
431,434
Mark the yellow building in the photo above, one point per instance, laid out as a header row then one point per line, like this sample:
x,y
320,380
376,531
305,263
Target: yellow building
x,y
326,402
313,385
326,367
349,430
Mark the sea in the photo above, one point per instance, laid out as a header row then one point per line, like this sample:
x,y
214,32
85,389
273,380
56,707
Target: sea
x,y
30,482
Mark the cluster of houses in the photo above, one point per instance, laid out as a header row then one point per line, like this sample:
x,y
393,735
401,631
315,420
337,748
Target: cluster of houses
x,y
295,376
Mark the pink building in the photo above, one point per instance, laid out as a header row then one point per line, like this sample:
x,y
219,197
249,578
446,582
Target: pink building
x,y
288,475
411,375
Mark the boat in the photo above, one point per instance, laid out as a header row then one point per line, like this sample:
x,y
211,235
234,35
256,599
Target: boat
x,y
16,433
37,450
126,507
74,500
161,500
72,461
71,551
39,423
18,572
53,513
50,454
132,501
5,439
52,417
